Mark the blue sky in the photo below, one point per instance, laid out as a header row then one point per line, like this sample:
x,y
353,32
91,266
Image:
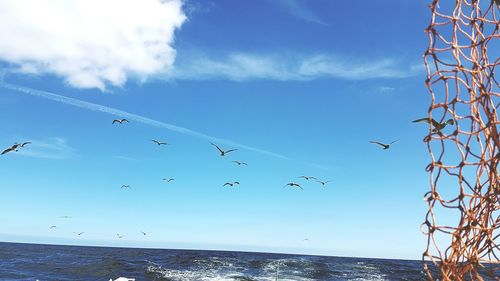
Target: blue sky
x,y
299,87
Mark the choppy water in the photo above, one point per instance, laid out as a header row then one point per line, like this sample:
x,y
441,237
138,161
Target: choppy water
x,y
47,262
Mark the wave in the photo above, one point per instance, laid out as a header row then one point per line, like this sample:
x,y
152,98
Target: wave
x,y
217,269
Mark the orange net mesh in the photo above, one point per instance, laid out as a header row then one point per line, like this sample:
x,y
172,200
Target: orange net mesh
x,y
463,221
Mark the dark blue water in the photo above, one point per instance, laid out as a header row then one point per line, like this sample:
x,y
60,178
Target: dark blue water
x,y
48,262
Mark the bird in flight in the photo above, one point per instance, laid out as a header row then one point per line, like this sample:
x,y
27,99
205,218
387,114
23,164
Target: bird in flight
x,y
323,182
144,233
159,142
168,180
231,183
15,147
292,184
383,145
65,217
308,178
240,163
119,236
126,186
78,233
121,121
437,126
222,152
52,227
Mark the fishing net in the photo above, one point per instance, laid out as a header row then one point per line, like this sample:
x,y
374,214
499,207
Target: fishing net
x,y
463,222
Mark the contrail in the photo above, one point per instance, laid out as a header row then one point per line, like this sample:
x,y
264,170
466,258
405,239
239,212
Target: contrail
x,y
131,116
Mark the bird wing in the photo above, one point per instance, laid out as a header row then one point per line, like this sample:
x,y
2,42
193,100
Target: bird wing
x,y
393,142
230,150
218,148
7,150
227,183
425,120
236,182
379,143
114,121
25,143
124,120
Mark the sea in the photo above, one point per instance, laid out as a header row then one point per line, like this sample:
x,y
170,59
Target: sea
x,y
61,263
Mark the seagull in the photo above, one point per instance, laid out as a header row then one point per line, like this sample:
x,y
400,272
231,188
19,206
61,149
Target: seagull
x,y
126,186
240,163
308,178
159,142
437,126
15,147
119,236
52,227
12,148
121,121
292,184
323,182
231,183
144,233
383,145
168,180
222,152
78,233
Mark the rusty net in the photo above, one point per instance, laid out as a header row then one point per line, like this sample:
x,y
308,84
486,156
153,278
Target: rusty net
x,y
463,221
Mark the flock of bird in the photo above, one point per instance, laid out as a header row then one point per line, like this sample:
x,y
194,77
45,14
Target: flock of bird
x,y
436,127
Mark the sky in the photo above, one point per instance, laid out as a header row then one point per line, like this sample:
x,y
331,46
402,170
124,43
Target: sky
x,y
298,87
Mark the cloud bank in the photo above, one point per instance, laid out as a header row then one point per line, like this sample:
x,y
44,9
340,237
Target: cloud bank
x,y
90,43
293,67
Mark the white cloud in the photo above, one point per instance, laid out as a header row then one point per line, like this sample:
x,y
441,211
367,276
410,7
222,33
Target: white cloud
x,y
299,9
50,148
90,43
244,66
385,89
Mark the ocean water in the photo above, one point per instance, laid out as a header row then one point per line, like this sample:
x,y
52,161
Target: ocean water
x,y
48,262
